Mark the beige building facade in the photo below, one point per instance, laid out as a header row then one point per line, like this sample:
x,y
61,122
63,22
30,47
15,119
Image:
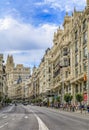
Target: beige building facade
x,y
68,59
15,75
70,55
63,69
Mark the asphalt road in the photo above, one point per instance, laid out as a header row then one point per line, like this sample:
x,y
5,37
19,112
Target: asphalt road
x,y
39,118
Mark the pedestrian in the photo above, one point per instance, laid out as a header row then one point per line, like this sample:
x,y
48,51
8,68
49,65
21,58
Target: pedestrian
x,y
88,108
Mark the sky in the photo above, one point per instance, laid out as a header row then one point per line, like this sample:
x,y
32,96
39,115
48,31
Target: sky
x,y
27,27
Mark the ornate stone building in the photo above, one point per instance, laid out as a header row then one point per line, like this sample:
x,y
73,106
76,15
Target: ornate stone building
x,y
70,55
1,75
67,60
15,75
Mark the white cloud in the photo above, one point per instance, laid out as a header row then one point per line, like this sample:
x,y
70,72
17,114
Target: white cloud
x,y
46,11
28,58
25,41
66,5
15,35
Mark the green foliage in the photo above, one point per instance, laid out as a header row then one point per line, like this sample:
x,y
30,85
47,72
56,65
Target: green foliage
x,y
7,100
53,99
0,98
58,99
68,97
36,100
79,97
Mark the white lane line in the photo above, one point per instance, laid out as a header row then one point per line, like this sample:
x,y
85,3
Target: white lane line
x,y
26,117
42,126
13,119
10,109
3,125
4,117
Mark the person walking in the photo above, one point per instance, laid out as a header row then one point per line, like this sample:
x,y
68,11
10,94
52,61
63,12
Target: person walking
x,y
88,108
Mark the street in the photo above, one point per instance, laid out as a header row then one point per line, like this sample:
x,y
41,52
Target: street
x,y
40,118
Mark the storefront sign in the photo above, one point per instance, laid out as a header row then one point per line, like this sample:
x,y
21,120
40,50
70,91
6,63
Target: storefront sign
x,y
85,97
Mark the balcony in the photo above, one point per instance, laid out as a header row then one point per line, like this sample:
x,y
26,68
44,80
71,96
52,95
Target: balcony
x,y
56,73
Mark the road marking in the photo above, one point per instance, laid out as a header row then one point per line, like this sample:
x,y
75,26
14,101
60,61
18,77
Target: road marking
x,y
26,117
3,125
4,117
42,126
13,119
10,109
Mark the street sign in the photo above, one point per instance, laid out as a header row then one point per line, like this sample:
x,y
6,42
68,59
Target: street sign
x,y
85,97
85,77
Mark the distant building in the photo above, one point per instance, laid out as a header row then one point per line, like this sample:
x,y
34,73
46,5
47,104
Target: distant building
x,y
15,75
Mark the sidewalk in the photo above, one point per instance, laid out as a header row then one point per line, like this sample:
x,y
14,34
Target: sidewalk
x,y
78,112
4,109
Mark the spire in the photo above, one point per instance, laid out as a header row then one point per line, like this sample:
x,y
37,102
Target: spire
x,y
74,9
10,61
66,13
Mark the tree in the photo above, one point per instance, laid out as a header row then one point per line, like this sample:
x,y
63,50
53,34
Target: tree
x,y
79,97
68,97
1,98
8,100
58,99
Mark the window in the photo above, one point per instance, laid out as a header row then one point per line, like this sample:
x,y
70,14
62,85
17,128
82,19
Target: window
x,y
84,24
65,62
84,37
80,29
66,74
66,88
85,52
76,72
85,86
80,69
76,60
69,87
80,56
80,87
76,46
76,88
84,66
76,35
65,51
49,70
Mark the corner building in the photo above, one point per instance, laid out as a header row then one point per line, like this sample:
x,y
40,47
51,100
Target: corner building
x,y
70,55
